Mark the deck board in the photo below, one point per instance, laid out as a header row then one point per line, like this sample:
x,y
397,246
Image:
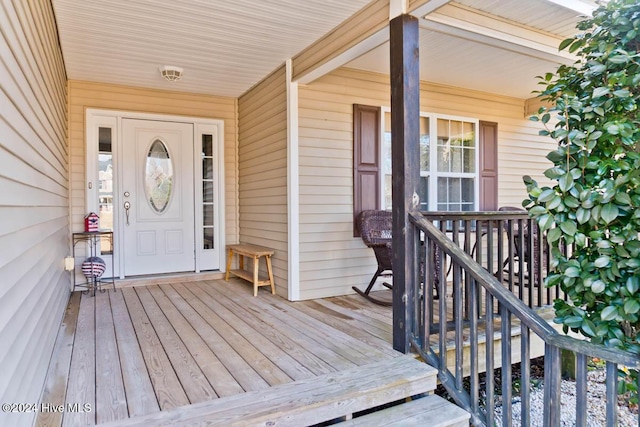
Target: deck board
x,y
348,325
357,351
199,315
223,382
356,317
306,337
166,384
286,363
141,398
340,342
111,402
280,338
57,377
193,381
211,367
268,370
80,389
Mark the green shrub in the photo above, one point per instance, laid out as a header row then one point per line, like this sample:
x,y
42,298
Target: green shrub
x,y
595,198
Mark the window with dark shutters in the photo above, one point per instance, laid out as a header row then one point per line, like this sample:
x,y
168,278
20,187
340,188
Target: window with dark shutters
x,y
367,163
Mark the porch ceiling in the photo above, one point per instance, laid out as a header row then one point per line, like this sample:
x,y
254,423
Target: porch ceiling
x,y
225,47
458,62
495,46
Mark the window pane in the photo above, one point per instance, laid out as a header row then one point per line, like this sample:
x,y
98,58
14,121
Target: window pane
x,y
443,191
456,146
423,192
469,160
386,144
454,189
456,159
468,193
444,146
207,168
207,145
208,238
158,176
207,191
469,134
424,144
207,215
455,132
456,194
443,129
386,161
444,157
105,186
208,187
469,143
387,192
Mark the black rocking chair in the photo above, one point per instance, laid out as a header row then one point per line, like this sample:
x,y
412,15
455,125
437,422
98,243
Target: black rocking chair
x,y
521,246
375,228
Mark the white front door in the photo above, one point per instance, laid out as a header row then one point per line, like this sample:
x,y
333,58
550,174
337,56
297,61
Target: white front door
x,y
157,197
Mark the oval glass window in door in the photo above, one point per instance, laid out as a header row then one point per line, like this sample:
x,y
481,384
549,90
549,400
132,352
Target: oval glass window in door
x,y
158,180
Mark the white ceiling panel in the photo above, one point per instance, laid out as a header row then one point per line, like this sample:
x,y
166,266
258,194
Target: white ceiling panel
x,y
461,57
542,15
463,63
225,47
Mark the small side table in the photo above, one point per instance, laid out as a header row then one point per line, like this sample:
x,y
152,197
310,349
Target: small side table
x,y
92,238
255,252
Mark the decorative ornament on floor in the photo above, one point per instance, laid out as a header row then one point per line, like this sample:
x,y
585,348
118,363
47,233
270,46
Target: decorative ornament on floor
x,y
93,267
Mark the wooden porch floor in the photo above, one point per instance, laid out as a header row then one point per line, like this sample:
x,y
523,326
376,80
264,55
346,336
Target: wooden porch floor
x,y
145,349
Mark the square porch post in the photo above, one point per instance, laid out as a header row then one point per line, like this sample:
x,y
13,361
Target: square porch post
x,y
405,163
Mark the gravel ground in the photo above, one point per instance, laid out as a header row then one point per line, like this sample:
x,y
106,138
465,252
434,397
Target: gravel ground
x,y
596,411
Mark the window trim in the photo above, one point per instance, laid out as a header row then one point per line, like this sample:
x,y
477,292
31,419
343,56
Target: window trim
x,y
433,152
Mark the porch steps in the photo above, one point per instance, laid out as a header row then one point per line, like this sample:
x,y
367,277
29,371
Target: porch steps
x,y
432,411
319,399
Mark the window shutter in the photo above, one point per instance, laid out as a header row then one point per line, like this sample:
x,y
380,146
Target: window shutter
x,y
488,166
366,160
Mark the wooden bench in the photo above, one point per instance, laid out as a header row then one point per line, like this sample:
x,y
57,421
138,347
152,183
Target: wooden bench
x,y
305,402
255,252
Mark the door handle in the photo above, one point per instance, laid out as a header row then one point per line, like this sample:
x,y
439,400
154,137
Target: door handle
x,y
127,205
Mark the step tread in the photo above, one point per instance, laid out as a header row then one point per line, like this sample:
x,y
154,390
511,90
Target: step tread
x,y
305,402
433,411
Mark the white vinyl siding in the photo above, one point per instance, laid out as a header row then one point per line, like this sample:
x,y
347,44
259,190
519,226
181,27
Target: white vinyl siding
x,y
83,95
262,171
331,259
34,200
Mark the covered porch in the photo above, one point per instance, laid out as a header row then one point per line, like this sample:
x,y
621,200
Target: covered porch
x,y
146,349
286,180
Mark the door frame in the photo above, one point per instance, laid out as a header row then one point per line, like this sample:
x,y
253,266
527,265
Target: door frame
x,y
95,118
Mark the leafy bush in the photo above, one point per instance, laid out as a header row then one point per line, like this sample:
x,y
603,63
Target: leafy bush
x,y
595,199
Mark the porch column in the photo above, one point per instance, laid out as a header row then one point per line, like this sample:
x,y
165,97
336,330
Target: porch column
x,y
405,162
